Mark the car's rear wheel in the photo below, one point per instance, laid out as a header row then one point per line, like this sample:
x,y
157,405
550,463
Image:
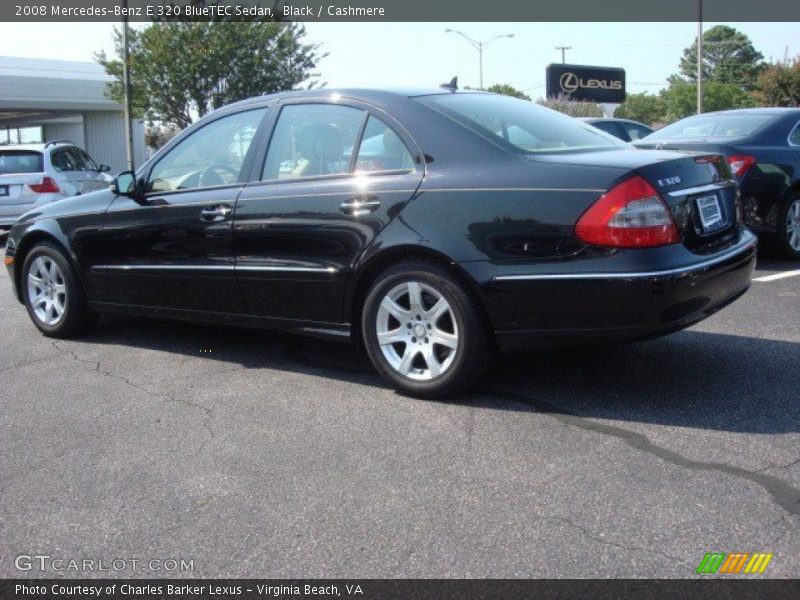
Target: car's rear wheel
x,y
424,331
789,227
53,294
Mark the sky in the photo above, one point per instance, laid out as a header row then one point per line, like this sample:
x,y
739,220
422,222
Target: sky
x,y
422,54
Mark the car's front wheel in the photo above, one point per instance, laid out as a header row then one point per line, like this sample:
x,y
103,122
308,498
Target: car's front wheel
x,y
424,331
52,293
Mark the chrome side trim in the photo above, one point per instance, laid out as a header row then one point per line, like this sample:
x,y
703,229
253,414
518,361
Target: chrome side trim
x,y
286,269
710,187
631,275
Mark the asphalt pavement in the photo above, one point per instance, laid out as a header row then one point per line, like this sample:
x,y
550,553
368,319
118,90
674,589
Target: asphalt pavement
x,y
257,454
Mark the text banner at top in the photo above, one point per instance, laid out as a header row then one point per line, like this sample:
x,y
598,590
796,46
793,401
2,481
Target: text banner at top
x,y
399,10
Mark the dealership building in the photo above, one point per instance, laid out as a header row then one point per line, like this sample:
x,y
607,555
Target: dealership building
x,y
65,100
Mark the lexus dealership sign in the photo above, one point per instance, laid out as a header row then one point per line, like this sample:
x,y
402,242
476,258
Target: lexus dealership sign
x,y
590,84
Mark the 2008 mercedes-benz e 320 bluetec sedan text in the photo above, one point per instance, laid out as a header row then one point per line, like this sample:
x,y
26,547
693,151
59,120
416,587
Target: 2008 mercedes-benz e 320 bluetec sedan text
x,y
432,225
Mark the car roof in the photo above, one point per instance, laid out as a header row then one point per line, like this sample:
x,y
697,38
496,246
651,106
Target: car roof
x,y
764,110
367,94
611,120
38,146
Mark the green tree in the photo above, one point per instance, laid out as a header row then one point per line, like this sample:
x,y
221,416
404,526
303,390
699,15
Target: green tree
x,y
779,83
728,57
680,99
508,90
180,70
644,107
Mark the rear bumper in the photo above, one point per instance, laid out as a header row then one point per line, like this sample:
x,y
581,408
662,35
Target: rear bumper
x,y
532,310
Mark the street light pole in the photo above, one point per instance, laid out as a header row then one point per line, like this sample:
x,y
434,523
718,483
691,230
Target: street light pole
x,y
699,56
479,46
563,53
126,77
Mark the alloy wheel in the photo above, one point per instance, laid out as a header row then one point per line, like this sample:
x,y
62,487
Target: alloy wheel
x,y
47,290
417,331
793,225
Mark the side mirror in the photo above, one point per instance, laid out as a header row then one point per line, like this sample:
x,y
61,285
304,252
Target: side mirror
x,y
125,184
104,168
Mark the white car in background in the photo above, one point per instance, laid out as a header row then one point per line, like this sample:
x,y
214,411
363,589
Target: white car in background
x,y
36,174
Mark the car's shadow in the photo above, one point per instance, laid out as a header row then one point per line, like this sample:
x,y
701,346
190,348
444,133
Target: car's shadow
x,y
690,379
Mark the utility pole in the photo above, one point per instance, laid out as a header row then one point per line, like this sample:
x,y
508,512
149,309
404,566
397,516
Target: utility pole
x,y
699,57
479,46
126,70
563,53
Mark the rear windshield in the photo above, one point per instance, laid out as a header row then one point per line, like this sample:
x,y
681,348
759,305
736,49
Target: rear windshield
x,y
711,126
20,161
522,125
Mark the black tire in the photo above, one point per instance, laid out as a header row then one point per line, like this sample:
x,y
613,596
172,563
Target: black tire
x,y
76,316
474,350
782,245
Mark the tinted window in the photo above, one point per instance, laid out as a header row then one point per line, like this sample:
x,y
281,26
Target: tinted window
x,y
61,160
212,155
609,127
382,149
794,137
712,126
311,140
20,161
81,160
636,132
524,125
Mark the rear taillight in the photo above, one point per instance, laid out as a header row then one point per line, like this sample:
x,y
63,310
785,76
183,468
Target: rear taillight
x,y
629,215
741,164
45,186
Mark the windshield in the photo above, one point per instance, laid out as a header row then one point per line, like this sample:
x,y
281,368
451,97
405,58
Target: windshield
x,y
523,125
711,126
20,161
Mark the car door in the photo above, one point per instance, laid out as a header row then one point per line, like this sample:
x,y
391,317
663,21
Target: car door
x,y
173,248
333,176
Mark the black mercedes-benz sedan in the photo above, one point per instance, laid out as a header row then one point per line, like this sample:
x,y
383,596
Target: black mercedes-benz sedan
x,y
432,226
762,147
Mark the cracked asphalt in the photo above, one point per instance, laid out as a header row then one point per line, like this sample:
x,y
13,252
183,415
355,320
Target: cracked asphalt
x,y
264,455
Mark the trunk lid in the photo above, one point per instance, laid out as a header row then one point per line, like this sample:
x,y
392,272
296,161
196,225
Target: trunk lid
x,y
701,194
13,189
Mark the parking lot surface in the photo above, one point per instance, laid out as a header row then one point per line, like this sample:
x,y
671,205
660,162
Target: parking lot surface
x,y
260,454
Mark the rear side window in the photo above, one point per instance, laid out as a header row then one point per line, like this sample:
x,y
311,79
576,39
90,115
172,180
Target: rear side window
x,y
712,126
794,137
20,161
381,149
312,140
519,124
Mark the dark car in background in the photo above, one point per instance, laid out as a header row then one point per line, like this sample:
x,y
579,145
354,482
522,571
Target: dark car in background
x,y
431,226
624,129
762,147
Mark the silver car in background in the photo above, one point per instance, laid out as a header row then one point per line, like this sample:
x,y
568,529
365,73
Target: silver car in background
x,y
36,174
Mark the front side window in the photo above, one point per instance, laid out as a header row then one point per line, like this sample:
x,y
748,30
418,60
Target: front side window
x,y
212,155
381,149
520,125
81,160
636,132
312,140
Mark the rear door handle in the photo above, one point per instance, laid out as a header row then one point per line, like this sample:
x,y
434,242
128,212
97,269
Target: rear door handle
x,y
360,205
215,214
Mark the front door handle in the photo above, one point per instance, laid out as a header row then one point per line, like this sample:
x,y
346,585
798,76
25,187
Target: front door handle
x,y
360,205
215,214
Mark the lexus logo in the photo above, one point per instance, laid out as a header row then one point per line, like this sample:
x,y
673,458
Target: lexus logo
x,y
568,82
